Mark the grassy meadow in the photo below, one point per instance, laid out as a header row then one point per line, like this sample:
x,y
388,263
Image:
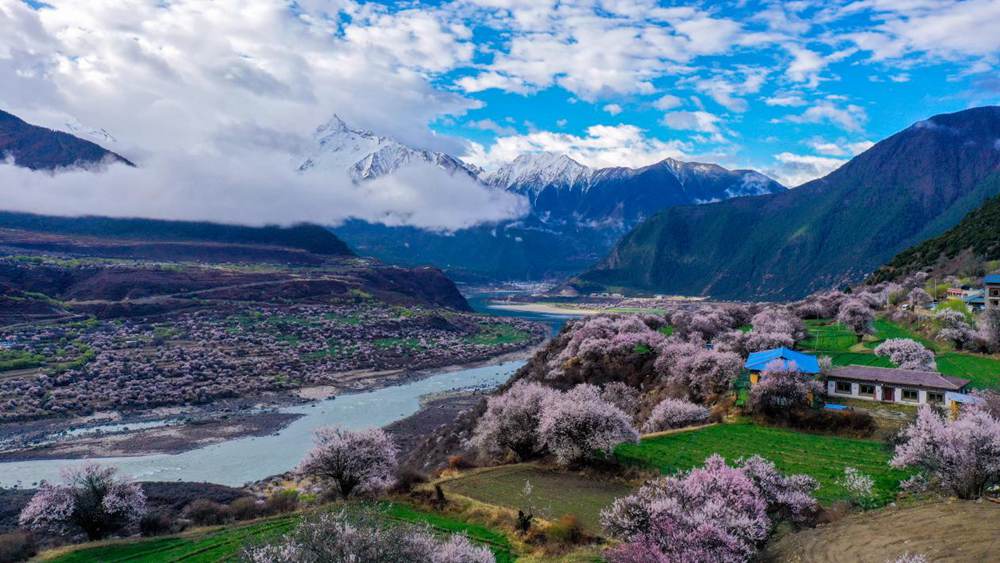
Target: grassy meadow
x,y
225,543
827,338
822,457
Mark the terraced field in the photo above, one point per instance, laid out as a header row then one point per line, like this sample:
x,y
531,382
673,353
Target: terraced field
x,y
225,544
822,457
553,494
218,545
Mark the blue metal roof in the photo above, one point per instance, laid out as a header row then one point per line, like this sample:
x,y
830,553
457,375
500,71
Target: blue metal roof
x,y
992,278
806,363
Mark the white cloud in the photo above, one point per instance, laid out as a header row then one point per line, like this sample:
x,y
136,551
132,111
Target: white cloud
x,y
839,147
796,169
613,109
850,117
667,102
188,85
938,29
726,88
594,50
700,121
602,146
492,126
785,100
240,188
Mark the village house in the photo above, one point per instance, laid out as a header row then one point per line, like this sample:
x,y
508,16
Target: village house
x,y
758,362
992,283
893,385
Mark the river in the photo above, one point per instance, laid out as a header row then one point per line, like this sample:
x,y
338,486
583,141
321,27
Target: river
x,y
242,460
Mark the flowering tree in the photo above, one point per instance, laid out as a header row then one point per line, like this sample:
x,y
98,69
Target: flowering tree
x,y
511,420
919,297
860,486
352,462
779,320
756,341
989,329
857,316
955,329
578,425
962,456
907,354
363,536
591,339
92,498
674,413
704,374
715,513
623,396
781,388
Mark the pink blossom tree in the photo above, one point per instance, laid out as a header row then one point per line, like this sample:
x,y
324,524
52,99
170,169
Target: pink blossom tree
x,y
907,354
511,420
674,413
352,462
91,498
779,320
962,456
704,374
919,297
623,396
955,329
781,388
715,513
579,425
989,330
856,315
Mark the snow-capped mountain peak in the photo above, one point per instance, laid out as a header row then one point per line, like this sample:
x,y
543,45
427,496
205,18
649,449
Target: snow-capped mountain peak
x,y
363,155
540,170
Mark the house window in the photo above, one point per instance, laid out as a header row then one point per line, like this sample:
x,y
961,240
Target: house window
x,y
911,395
933,397
867,389
843,387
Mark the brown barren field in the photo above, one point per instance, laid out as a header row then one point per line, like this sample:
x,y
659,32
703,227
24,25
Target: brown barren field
x,y
942,531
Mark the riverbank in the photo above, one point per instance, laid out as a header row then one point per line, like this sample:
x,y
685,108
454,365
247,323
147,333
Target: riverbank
x,y
177,430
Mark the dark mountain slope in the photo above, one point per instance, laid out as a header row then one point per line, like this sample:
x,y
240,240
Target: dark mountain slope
x,y
963,250
834,230
39,148
310,238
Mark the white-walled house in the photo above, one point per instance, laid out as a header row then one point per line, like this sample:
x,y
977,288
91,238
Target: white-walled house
x,y
891,385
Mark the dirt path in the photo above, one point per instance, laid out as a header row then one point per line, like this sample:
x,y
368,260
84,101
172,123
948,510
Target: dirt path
x,y
942,531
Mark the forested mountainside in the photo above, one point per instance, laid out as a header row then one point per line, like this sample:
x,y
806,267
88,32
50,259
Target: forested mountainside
x,y
832,231
970,248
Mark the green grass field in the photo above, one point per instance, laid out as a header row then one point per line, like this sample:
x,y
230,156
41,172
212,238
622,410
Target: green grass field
x,y
834,340
822,457
496,334
553,493
225,544
218,545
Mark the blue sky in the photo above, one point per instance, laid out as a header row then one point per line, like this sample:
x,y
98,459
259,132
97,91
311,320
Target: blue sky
x,y
791,88
217,100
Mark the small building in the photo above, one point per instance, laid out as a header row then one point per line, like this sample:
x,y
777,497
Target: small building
x,y
758,361
992,283
893,385
975,300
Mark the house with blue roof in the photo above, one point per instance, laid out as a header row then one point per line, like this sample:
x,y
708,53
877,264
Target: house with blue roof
x,y
758,361
992,283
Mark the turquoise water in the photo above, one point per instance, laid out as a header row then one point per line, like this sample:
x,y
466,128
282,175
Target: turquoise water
x,y
242,460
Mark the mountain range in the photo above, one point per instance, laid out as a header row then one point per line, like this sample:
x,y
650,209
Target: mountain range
x,y
39,148
832,231
576,212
